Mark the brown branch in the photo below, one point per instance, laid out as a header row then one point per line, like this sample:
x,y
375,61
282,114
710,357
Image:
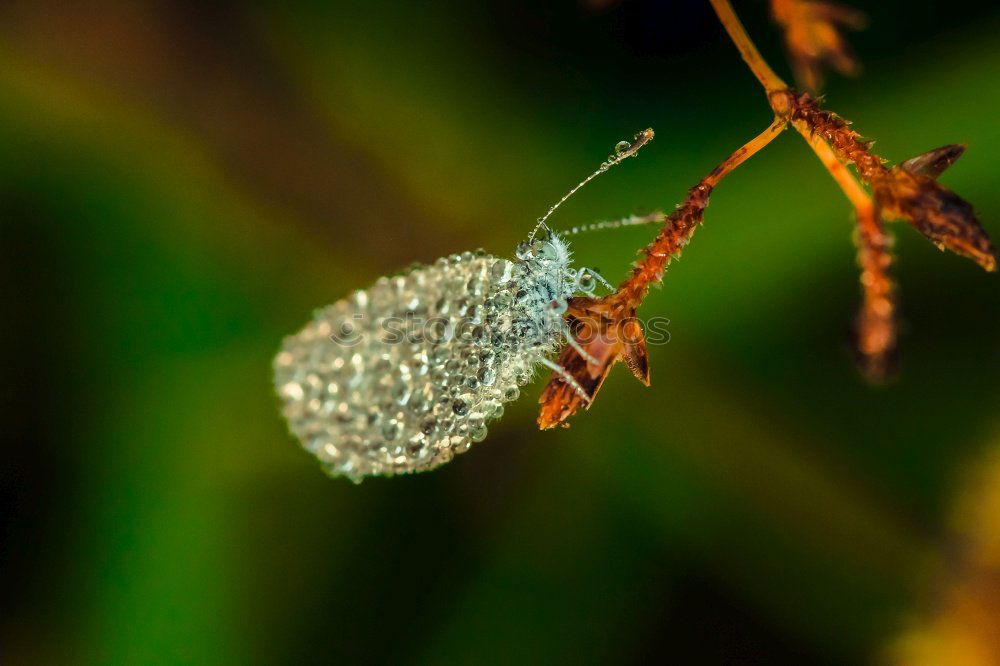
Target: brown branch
x,y
607,328
681,224
875,326
908,191
738,34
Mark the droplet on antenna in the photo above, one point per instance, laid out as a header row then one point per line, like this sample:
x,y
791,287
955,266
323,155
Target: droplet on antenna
x,y
623,150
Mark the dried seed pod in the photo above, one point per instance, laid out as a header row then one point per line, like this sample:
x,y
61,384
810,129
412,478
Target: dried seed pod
x,y
812,36
934,162
910,192
608,332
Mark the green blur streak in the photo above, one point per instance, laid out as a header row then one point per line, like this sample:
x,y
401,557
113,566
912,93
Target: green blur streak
x,y
205,536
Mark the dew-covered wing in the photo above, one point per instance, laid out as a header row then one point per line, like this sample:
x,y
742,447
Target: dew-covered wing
x,y
402,376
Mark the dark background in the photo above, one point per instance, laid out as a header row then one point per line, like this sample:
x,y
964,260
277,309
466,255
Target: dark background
x,y
180,185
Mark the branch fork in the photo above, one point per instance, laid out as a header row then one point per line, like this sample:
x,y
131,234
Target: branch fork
x,y
908,191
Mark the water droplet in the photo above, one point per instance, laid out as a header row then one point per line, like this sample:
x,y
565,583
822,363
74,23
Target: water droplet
x,y
501,271
621,147
487,375
415,447
440,354
461,405
391,429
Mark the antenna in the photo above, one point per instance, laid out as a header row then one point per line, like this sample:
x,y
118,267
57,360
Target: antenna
x,y
623,151
631,221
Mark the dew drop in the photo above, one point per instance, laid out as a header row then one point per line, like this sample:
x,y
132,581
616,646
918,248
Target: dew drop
x,y
501,271
391,429
487,375
440,354
621,147
461,405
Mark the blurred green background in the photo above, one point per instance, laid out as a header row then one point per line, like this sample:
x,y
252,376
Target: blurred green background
x,y
181,184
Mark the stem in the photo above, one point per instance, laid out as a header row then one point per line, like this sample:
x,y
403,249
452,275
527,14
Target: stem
x,y
838,170
680,225
876,329
745,152
771,81
876,324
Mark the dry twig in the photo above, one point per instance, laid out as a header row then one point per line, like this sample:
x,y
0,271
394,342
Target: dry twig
x,y
908,191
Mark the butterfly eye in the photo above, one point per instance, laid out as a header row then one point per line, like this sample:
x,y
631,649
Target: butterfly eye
x,y
524,251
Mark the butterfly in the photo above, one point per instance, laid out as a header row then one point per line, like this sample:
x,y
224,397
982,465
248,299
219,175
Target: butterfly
x,y
406,374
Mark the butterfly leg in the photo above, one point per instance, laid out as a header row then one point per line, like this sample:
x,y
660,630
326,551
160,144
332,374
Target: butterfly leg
x,y
566,377
579,349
